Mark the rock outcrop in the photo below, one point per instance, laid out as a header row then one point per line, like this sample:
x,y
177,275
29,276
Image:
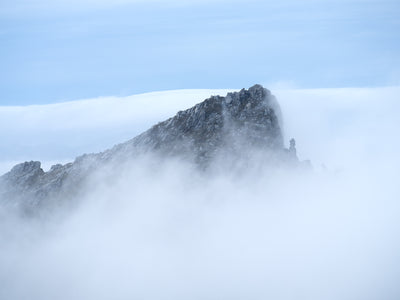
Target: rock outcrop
x,y
226,128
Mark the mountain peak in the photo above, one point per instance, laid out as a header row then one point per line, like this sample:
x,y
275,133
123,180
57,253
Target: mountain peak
x,y
227,129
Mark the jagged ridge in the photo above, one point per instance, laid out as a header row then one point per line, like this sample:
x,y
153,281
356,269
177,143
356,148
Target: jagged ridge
x,y
216,127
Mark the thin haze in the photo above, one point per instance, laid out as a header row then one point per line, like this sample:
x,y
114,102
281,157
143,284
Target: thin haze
x,y
54,51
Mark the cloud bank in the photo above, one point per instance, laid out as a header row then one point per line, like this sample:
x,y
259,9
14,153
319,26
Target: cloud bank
x,y
165,231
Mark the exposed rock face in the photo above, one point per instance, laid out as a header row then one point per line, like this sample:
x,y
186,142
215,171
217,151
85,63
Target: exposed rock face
x,y
249,117
217,127
25,174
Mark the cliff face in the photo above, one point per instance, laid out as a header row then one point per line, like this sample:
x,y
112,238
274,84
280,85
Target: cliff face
x,y
249,117
219,127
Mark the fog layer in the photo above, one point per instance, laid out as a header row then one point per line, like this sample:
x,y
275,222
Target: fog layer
x,y
167,231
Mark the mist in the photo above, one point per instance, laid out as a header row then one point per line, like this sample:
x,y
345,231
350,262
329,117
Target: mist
x,y
164,230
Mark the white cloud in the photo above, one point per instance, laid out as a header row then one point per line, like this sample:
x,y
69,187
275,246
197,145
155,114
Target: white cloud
x,y
344,126
167,232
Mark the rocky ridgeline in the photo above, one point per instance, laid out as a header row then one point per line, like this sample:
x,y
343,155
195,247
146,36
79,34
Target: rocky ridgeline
x,y
218,129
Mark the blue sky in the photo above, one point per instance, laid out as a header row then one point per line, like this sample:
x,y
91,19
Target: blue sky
x,y
54,51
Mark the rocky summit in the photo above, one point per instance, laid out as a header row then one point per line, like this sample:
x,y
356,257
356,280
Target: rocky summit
x,y
229,128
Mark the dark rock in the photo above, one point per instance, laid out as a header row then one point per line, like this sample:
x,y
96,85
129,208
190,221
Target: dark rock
x,y
227,128
25,174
